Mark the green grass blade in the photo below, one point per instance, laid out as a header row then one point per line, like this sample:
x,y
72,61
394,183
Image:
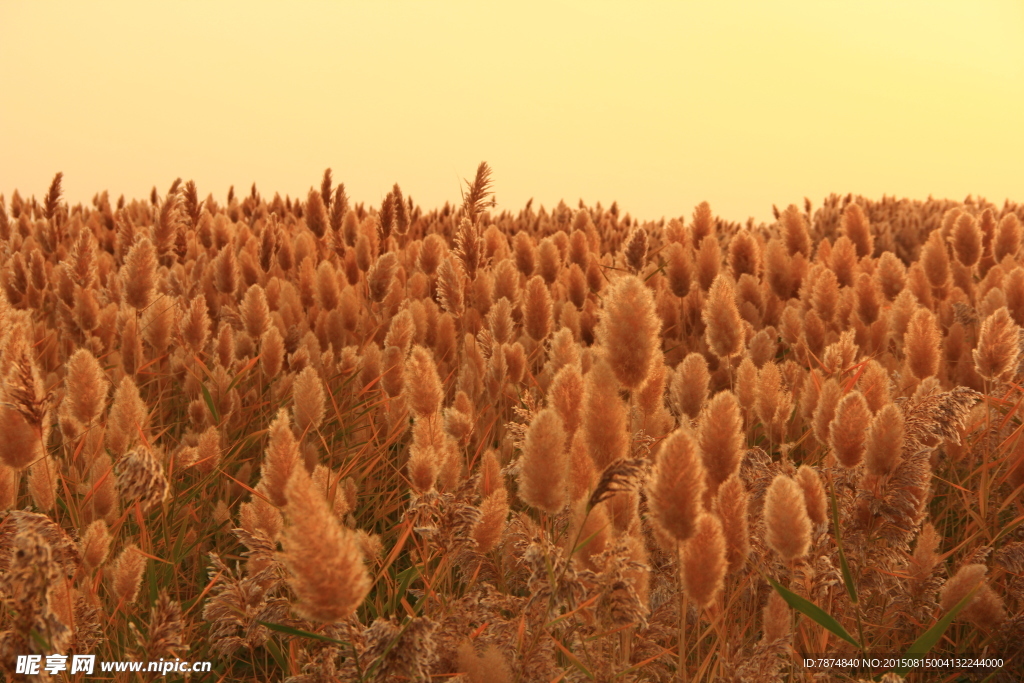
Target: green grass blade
x,y
277,654
927,640
818,615
281,628
210,404
851,587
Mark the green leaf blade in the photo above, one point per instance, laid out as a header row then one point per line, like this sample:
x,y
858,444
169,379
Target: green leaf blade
x,y
815,613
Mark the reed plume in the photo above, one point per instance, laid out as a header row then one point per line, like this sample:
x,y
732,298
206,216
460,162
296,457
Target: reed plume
x,y
921,344
703,562
787,524
537,317
544,465
604,417
677,486
720,436
324,561
124,574
848,429
884,441
280,459
629,331
689,388
732,507
308,394
86,386
985,609
998,350
724,332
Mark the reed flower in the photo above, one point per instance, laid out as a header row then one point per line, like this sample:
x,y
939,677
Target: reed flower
x,y
542,474
629,331
787,524
724,332
677,485
703,562
325,563
998,348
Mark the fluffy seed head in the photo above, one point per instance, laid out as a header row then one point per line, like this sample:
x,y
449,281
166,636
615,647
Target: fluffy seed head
x,y
308,394
732,507
724,331
281,457
848,428
124,574
1007,240
21,444
95,544
604,417
985,609
884,441
537,318
678,268
676,486
921,344
787,524
139,274
720,435
493,513
629,331
195,324
423,386
998,346
544,466
966,240
703,562
798,239
814,494
324,559
689,387
566,396
857,228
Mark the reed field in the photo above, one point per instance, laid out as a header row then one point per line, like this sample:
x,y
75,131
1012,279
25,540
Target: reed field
x,y
311,440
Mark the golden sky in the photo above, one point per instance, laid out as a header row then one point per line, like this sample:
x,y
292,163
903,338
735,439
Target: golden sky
x,y
657,105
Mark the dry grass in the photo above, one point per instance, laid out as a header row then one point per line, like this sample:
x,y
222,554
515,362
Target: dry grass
x,y
318,441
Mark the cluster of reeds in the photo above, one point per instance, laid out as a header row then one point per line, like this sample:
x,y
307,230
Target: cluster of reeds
x,y
318,441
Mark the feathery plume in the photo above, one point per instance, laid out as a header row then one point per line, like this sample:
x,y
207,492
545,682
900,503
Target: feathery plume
x,y
848,429
689,387
921,344
544,465
325,563
732,506
139,274
884,441
814,494
986,607
676,486
720,435
787,524
703,562
308,394
678,269
124,574
856,227
629,330
966,240
280,459
724,332
422,382
998,348
604,417
537,318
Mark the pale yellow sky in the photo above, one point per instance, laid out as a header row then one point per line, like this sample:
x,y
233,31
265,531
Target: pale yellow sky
x,y
657,105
